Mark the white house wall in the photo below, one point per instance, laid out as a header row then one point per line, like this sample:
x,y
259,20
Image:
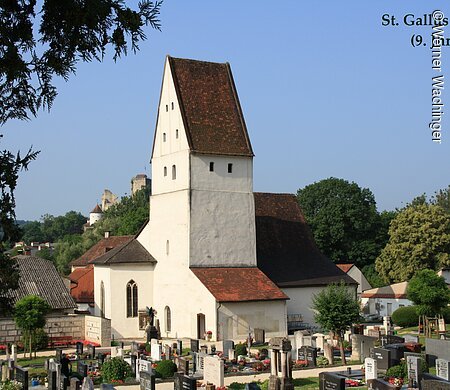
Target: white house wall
x,y
102,274
380,305
356,274
235,319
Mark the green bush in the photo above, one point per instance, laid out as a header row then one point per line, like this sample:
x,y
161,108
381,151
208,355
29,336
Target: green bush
x,y
240,349
322,361
9,385
116,369
446,314
148,348
399,371
405,316
166,368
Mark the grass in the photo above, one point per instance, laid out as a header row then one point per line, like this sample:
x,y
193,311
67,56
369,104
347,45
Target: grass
x,y
299,383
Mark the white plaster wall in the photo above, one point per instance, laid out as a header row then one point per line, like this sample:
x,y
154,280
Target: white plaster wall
x,y
236,318
164,184
356,274
102,273
94,217
240,180
222,229
396,303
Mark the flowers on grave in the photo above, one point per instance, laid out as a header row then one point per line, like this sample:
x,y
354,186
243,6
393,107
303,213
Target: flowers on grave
x,y
11,385
266,362
353,383
396,381
300,363
258,366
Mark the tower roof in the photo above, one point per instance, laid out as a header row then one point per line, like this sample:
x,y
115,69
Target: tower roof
x,y
97,209
210,108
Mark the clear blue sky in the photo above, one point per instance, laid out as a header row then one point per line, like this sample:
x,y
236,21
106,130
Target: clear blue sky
x,y
326,90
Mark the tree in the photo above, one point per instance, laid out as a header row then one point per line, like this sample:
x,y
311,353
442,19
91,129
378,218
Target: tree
x,y
9,281
442,198
419,238
336,310
68,31
344,220
429,292
29,315
372,276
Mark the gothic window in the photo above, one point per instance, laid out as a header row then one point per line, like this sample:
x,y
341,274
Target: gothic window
x,y
165,171
132,299
164,137
211,166
230,168
102,299
174,172
168,318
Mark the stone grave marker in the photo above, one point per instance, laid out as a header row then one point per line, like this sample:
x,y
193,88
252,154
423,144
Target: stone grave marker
x,y
227,345
436,348
330,381
200,361
101,358
120,353
328,352
167,352
194,345
443,369
308,354
134,347
182,365
189,383
91,351
231,354
374,333
133,359
58,354
52,380
413,364
204,349
14,352
147,381
391,339
153,341
143,366
114,351
213,370
178,381
371,368
75,384
380,384
64,382
361,346
435,385
82,369
179,347
409,338
383,358
156,352
260,336
21,376
79,347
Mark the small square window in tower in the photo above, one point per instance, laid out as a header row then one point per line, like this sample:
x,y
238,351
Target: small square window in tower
x,y
167,107
165,171
211,166
176,133
174,172
230,168
172,105
164,137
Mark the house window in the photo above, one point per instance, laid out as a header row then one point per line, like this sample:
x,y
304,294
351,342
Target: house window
x,y
174,172
176,133
211,166
167,247
172,106
132,299
165,171
230,168
168,318
164,137
167,107
102,299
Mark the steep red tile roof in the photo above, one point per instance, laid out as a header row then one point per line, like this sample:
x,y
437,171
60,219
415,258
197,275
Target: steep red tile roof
x,y
97,209
345,267
82,284
100,249
285,248
238,284
210,108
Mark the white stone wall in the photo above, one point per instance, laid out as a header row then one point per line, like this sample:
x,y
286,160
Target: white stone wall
x,y
383,305
236,318
98,330
115,279
94,217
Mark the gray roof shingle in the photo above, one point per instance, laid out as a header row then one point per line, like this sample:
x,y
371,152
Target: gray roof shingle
x,y
130,252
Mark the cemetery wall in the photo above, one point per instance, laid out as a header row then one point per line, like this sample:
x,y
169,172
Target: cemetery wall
x,y
236,318
98,330
57,326
120,274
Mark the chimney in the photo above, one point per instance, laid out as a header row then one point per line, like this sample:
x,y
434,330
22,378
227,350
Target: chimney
x,y
107,233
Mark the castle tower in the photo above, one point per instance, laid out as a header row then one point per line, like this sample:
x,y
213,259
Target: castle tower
x,y
95,215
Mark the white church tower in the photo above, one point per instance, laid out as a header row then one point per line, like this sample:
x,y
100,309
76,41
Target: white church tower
x,y
202,211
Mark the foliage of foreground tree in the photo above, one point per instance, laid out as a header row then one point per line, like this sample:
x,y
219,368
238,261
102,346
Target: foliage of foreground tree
x,y
37,44
29,315
344,220
336,310
419,239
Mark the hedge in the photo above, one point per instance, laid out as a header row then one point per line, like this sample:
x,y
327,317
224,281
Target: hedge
x,y
405,316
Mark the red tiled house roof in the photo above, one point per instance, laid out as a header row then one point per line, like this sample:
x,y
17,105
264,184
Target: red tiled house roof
x,y
82,284
345,267
285,248
210,107
100,249
238,284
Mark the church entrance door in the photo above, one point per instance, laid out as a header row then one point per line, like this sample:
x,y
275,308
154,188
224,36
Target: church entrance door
x,y
201,328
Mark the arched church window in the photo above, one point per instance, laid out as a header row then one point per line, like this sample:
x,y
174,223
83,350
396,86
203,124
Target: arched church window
x,y
174,172
168,318
102,299
132,299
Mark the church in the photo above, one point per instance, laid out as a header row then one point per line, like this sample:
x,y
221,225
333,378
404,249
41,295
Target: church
x,y
215,259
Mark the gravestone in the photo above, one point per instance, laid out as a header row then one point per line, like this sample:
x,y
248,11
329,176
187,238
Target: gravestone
x,y
167,352
435,385
156,352
227,345
14,352
371,368
182,365
374,333
443,369
231,354
79,347
435,349
194,345
143,366
391,339
260,336
380,384
133,359
82,369
147,381
91,351
134,348
330,381
383,358
100,358
199,361
361,346
213,370
114,351
58,354
204,349
328,352
409,338
413,364
75,384
120,353
178,381
21,376
52,380
309,355
189,383
179,347
64,382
